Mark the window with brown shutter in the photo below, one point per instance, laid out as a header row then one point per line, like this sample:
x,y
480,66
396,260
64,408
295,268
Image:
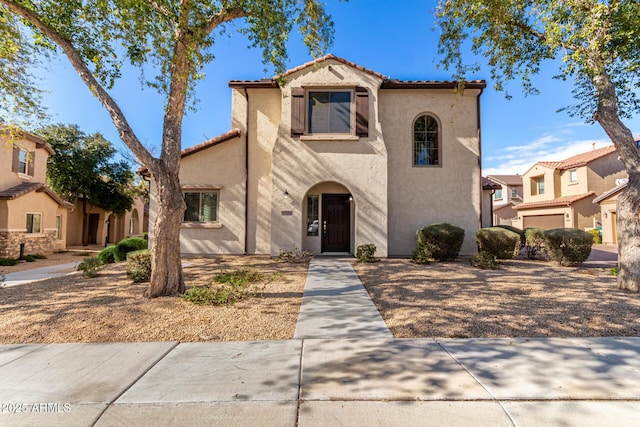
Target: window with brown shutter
x,y
31,162
15,164
297,111
362,112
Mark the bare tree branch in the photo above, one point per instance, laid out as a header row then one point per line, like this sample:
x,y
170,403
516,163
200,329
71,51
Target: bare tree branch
x,y
225,15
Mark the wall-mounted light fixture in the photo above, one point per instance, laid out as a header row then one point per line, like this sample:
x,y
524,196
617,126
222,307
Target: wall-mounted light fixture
x,y
605,214
286,194
567,215
350,198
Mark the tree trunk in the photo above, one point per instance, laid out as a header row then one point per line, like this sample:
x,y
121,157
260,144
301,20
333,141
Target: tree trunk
x,y
166,265
628,225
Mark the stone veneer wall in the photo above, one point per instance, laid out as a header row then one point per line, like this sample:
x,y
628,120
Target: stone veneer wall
x,y
10,243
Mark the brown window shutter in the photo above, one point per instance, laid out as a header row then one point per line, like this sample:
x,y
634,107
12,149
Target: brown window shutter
x,y
362,112
297,111
31,162
16,159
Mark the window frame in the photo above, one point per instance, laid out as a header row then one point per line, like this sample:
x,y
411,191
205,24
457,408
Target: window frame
x,y
30,226
497,195
200,192
438,141
23,164
313,216
573,173
352,111
536,185
58,227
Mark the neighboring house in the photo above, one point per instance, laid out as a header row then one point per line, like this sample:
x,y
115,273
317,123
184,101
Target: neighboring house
x,y
489,187
33,219
337,157
104,227
506,197
561,194
608,212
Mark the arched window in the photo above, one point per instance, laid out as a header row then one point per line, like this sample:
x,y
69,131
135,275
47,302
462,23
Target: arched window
x,y
426,141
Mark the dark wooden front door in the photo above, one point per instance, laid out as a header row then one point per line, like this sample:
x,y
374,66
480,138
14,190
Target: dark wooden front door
x,y
94,222
336,227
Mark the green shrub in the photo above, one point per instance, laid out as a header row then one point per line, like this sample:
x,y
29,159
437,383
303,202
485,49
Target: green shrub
x,y
90,267
422,256
568,246
614,271
139,265
498,241
535,243
127,245
29,258
232,287
485,261
8,262
366,252
597,238
521,233
107,255
39,256
442,241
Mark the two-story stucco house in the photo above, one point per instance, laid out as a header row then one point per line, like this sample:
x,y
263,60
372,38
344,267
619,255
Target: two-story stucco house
x,y
32,217
561,194
336,157
506,197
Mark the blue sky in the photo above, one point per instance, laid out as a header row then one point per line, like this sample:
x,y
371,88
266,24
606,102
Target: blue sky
x,y
397,41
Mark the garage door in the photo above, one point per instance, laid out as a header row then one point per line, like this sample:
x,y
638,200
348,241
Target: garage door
x,y
546,222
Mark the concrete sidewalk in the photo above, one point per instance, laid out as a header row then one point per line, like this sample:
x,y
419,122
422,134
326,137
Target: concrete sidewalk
x,y
356,382
36,274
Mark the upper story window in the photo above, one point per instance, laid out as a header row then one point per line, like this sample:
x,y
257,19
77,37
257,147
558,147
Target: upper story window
x,y
201,206
329,112
498,194
537,185
426,141
514,192
573,176
325,112
23,161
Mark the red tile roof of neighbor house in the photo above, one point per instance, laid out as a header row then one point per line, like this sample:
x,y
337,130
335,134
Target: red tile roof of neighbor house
x,y
386,84
233,133
513,180
581,159
561,201
27,187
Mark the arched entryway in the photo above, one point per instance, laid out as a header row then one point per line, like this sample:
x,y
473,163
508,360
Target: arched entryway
x,y
328,219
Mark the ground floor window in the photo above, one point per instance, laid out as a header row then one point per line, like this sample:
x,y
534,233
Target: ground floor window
x,y
58,227
201,206
312,215
34,221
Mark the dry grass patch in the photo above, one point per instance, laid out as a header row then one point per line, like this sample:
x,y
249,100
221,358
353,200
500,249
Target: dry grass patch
x,y
109,308
521,299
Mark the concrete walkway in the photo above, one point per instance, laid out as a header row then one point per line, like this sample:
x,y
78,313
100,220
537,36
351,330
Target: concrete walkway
x,y
36,274
336,305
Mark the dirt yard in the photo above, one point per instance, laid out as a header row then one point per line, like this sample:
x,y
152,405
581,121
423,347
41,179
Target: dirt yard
x,y
109,308
522,299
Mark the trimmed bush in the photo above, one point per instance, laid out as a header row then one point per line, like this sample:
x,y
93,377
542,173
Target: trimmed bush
x,y
597,237
139,265
422,255
485,261
535,243
8,262
521,233
128,245
568,246
498,241
107,255
366,252
442,241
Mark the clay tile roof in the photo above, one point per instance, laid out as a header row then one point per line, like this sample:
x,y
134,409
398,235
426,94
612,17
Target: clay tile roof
x,y
550,165
27,187
585,158
335,58
233,133
489,184
514,180
562,201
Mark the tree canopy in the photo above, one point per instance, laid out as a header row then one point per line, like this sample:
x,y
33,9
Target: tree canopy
x,y
84,167
597,46
169,42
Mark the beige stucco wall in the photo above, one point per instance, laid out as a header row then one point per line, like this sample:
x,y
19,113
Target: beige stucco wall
x,y
604,172
420,196
608,211
9,179
551,184
359,164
